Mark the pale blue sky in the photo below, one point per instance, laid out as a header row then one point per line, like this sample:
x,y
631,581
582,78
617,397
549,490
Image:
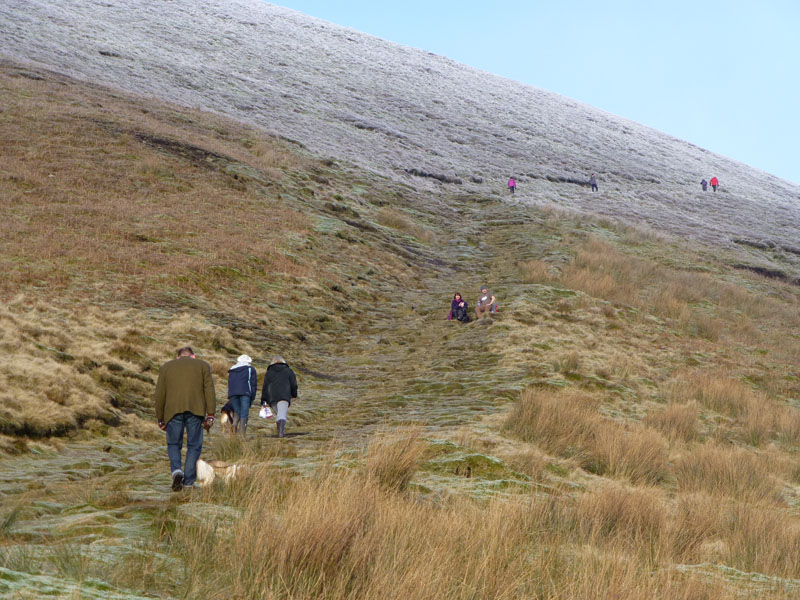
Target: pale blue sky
x,y
721,74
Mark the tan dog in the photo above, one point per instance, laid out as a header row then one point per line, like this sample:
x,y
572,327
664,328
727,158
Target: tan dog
x,y
207,472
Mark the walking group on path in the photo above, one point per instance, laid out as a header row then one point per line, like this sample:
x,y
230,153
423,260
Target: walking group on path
x,y
185,399
714,183
185,402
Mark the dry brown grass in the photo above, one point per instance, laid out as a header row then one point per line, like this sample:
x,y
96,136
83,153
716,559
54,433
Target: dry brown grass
x,y
726,471
394,456
62,370
537,271
568,424
129,227
762,539
64,226
678,422
719,391
635,518
568,364
394,219
636,453
694,302
758,418
366,532
338,535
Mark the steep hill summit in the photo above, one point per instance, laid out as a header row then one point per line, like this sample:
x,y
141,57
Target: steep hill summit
x,y
403,112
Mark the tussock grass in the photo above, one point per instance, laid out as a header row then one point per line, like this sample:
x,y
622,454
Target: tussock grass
x,y
568,364
678,422
568,424
537,271
393,457
219,236
726,471
755,538
637,518
759,417
394,219
695,302
637,454
340,535
762,540
720,392
560,421
233,448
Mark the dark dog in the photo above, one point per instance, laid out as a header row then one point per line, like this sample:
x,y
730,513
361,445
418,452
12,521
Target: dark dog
x,y
226,417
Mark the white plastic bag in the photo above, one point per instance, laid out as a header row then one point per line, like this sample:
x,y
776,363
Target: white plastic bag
x,y
265,412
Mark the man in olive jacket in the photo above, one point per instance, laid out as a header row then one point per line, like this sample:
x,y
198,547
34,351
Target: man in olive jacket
x,y
185,400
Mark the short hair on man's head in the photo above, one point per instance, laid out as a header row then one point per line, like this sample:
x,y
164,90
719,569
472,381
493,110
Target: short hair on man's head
x,y
185,351
277,359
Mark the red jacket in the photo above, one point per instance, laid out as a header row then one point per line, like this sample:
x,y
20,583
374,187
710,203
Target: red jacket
x,y
714,181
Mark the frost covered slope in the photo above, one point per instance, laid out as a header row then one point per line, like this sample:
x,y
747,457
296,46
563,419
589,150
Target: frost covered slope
x,y
390,108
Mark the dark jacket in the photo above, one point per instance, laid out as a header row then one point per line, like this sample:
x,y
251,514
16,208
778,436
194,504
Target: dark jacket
x,y
459,312
280,383
184,384
243,381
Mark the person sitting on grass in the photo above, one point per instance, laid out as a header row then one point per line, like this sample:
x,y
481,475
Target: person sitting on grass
x,y
458,309
486,303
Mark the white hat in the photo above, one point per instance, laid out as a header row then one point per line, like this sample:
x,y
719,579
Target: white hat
x,y
244,359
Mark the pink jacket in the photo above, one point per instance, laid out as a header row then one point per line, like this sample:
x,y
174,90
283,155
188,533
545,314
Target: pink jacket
x,y
512,183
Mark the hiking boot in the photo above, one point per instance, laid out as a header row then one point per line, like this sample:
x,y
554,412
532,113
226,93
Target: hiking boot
x,y
281,428
177,481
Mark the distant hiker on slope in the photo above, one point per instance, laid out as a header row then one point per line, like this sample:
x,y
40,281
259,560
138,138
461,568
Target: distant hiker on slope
x,y
512,185
593,182
458,309
487,303
242,388
704,184
280,386
185,400
714,183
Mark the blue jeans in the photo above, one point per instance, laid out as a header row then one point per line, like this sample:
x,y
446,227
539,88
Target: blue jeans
x,y
193,425
241,405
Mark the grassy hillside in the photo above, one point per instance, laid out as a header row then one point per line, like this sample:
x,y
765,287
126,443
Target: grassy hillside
x,y
405,112
626,427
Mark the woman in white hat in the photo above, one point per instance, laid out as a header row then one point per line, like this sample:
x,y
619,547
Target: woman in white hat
x,y
242,388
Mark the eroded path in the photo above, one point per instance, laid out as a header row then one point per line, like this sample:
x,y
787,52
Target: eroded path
x,y
402,363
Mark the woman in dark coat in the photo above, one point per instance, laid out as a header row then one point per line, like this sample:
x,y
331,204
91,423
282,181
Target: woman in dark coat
x,y
458,309
280,386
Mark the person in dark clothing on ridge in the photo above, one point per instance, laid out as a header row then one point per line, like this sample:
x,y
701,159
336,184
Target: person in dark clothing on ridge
x,y
704,184
280,386
593,182
242,389
458,309
185,400
714,183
